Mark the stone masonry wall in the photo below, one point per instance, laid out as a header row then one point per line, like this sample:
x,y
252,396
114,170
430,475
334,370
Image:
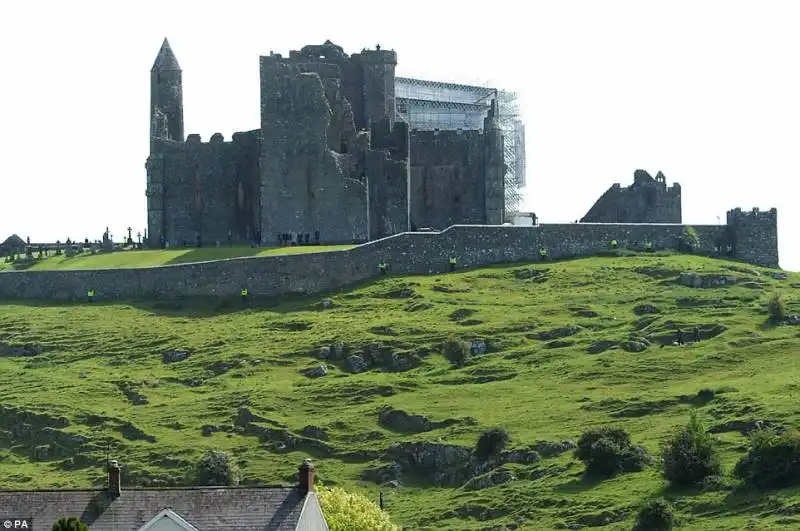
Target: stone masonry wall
x,y
447,178
754,235
305,186
207,188
408,253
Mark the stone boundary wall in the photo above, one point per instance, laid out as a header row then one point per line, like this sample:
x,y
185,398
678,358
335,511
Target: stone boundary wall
x,y
407,253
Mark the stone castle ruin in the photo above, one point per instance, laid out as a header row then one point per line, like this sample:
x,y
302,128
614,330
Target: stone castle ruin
x,y
647,200
330,157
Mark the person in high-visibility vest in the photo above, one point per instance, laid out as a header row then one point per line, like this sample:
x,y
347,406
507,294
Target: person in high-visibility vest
x,y
453,262
382,268
90,295
244,294
542,253
648,245
613,244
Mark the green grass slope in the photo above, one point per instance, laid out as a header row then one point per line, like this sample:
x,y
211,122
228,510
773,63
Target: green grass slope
x,y
149,258
98,378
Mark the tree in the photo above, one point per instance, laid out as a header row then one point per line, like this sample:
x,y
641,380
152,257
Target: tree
x,y
349,511
71,523
690,240
607,451
456,351
655,515
216,469
690,455
491,442
773,461
777,308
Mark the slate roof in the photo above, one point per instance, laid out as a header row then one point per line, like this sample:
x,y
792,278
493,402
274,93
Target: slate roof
x,y
206,508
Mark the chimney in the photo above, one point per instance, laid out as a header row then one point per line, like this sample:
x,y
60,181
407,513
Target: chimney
x,y
114,479
307,474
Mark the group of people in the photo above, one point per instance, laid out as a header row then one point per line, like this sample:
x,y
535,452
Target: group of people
x,y
297,238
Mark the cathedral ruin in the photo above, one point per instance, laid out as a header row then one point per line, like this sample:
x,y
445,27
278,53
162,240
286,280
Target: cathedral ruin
x,y
332,156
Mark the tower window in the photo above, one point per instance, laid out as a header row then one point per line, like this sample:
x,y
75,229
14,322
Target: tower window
x,y
456,199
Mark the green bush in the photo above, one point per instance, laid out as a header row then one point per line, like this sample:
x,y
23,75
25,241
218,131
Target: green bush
x,y
71,523
655,515
456,351
776,306
491,442
347,511
690,455
607,451
216,469
773,460
690,240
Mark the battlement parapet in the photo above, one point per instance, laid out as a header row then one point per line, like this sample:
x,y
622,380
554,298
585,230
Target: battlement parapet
x,y
195,140
388,57
737,215
753,212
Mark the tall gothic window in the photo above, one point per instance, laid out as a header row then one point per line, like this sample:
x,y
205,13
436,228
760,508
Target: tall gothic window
x,y
240,196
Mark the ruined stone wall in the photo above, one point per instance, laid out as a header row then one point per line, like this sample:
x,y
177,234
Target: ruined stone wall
x,y
367,78
387,172
204,188
305,185
332,159
409,253
648,200
755,235
447,178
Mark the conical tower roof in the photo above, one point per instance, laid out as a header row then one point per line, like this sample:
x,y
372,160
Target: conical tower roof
x,y
166,59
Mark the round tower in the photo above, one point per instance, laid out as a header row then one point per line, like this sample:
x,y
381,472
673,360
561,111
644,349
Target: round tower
x,y
166,96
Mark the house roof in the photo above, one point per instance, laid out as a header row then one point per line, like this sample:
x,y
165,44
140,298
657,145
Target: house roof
x,y
205,508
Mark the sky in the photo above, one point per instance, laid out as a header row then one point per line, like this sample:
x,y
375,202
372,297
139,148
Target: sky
x,y
706,92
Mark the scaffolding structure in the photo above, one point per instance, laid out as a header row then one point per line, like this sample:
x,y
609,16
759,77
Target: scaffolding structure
x,y
429,105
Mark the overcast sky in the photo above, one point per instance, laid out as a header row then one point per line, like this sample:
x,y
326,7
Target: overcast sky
x,y
705,91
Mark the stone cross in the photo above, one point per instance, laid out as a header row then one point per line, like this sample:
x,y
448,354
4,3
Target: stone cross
x,y
139,236
129,233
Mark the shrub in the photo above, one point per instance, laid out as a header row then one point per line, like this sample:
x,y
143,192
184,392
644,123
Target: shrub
x,y
69,524
347,511
607,451
456,351
690,455
216,469
491,442
690,240
776,306
655,515
773,460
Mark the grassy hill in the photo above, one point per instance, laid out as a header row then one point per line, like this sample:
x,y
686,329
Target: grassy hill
x,y
149,258
162,382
